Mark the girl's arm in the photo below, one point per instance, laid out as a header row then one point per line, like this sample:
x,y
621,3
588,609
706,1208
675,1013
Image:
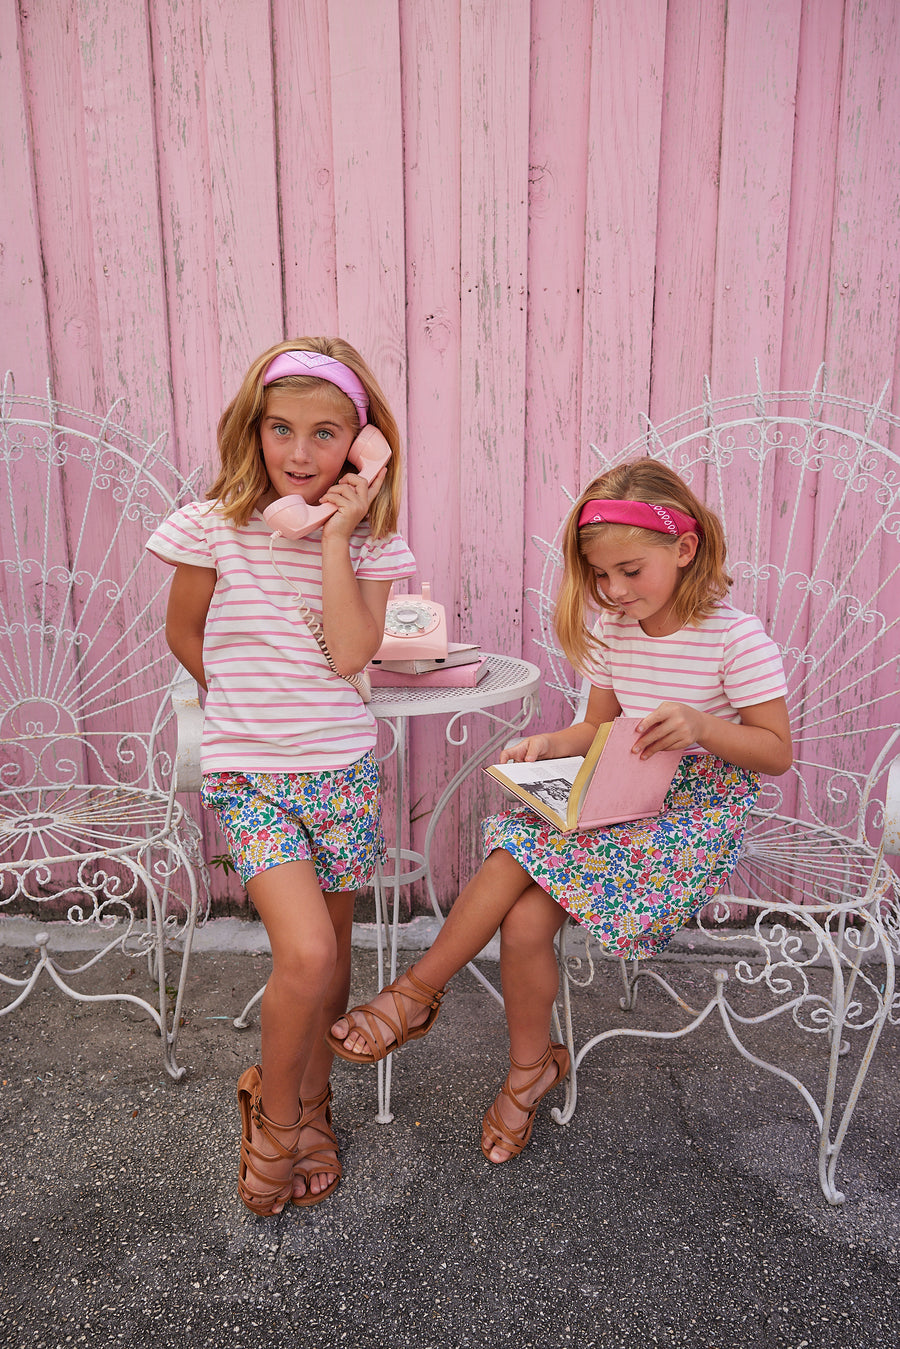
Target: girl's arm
x,y
576,739
352,611
762,741
190,596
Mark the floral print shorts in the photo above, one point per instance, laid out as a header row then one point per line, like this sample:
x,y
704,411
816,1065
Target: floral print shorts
x,y
332,819
634,885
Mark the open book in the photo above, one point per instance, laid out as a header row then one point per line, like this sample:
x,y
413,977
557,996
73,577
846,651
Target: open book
x,y
607,786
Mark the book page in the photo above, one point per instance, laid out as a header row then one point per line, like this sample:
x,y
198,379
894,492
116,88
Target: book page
x,y
549,780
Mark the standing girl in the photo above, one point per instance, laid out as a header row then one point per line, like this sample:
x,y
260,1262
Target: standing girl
x,y
640,548
287,747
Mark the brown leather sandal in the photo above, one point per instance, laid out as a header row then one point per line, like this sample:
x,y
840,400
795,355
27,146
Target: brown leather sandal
x,y
259,1189
412,988
311,1161
501,1135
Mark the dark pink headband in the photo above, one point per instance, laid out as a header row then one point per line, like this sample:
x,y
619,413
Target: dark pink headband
x,y
322,367
643,514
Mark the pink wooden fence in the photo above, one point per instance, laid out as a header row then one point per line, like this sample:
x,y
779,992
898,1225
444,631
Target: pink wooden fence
x,y
537,220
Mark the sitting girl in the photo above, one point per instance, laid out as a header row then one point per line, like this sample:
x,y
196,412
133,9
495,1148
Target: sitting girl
x,y
701,675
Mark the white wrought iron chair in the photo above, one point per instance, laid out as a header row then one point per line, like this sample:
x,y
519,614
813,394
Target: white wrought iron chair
x,y
90,829
808,486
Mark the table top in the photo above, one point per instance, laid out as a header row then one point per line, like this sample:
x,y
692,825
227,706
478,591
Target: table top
x,y
508,679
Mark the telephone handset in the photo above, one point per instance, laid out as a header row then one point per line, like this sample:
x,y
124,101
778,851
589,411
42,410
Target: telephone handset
x,y
293,518
415,628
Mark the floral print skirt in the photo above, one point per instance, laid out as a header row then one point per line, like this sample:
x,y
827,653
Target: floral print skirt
x,y
634,885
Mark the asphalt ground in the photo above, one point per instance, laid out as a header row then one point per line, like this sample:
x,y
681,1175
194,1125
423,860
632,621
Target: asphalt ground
x,y
680,1207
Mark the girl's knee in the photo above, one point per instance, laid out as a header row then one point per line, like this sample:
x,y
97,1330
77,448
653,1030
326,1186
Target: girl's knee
x,y
532,922
306,966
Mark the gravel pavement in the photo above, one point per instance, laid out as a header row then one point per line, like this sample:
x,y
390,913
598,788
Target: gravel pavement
x,y
680,1207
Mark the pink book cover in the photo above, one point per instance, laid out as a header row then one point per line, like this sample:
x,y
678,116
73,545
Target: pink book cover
x,y
622,786
456,677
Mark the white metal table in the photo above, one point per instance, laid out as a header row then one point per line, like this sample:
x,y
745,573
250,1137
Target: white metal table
x,y
508,680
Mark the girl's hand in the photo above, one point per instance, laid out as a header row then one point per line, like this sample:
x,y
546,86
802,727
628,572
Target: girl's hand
x,y
761,741
527,751
352,496
670,726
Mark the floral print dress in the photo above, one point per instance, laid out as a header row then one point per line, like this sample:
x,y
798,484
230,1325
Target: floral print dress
x,y
634,885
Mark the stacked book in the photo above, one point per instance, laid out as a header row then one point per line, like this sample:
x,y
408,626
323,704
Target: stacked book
x,y
462,668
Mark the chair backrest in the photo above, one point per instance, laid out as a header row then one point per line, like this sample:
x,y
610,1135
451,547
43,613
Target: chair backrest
x,y
808,488
84,666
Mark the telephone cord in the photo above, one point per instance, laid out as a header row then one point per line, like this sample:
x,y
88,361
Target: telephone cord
x,y
359,681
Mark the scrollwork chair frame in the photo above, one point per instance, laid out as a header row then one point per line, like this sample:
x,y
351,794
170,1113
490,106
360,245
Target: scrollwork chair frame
x,y
808,487
90,827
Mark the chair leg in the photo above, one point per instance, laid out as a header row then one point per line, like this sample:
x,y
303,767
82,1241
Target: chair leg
x,y
565,1033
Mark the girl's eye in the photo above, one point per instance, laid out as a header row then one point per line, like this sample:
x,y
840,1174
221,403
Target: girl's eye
x,y
281,430
324,434
631,574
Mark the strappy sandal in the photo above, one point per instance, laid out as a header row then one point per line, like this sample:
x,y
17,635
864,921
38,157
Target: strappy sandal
x,y
258,1189
316,1114
501,1135
412,988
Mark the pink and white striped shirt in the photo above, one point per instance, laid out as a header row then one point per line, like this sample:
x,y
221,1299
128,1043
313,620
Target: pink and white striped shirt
x,y
273,705
723,663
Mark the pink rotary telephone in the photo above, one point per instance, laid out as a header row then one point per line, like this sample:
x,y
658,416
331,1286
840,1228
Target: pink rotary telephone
x,y
293,518
415,628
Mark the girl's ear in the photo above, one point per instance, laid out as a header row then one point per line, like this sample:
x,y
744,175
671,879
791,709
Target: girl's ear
x,y
687,549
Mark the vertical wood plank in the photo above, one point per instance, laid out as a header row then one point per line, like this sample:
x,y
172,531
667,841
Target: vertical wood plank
x,y
762,41
761,52
557,204
862,332
305,167
56,112
188,233
364,41
494,69
861,339
240,129
808,252
23,315
429,44
367,133
494,101
688,204
627,56
125,224
812,192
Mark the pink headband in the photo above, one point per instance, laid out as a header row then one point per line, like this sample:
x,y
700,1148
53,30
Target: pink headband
x,y
643,514
321,367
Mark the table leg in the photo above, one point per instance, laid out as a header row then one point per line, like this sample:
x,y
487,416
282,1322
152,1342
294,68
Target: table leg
x,y
482,755
422,861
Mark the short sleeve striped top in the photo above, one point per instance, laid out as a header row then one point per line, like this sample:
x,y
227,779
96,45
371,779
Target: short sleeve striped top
x,y
273,704
723,663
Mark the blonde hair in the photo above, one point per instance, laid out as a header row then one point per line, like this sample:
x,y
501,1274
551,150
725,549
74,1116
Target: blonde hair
x,y
701,585
243,479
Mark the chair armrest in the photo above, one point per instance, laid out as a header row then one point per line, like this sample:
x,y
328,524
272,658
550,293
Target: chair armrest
x,y
892,810
185,696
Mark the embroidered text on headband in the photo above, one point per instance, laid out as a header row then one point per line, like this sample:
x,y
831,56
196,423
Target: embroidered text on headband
x,y
321,367
643,514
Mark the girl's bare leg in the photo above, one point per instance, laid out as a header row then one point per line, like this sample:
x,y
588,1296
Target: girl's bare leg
x,y
304,960
530,980
304,955
473,920
318,1067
